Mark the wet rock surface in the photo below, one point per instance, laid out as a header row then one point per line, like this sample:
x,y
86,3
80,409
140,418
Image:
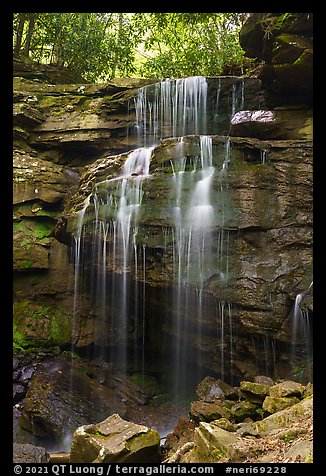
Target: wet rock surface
x,y
277,124
64,394
73,136
260,286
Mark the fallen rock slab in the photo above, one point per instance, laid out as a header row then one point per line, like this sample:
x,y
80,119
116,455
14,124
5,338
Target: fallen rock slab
x,y
276,404
26,453
274,124
115,440
287,388
280,420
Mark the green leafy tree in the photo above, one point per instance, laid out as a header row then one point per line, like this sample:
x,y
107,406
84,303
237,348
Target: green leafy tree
x,y
24,25
102,46
186,44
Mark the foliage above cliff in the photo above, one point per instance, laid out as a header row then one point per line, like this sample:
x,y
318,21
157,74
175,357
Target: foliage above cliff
x,y
102,46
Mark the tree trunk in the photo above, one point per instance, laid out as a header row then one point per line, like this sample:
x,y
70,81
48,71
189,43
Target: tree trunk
x,y
19,34
116,56
29,34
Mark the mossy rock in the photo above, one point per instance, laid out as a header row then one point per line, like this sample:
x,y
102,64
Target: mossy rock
x,y
287,388
282,419
32,238
256,389
212,442
242,410
211,389
288,48
115,440
38,325
225,424
203,411
276,404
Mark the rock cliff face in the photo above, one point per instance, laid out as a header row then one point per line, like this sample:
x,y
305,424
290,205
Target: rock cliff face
x,y
70,139
56,132
284,41
262,218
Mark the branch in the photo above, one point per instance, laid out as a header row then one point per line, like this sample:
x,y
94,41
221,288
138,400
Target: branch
x,y
175,458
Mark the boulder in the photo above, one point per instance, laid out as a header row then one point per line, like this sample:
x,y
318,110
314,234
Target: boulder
x,y
212,442
252,35
211,389
283,436
281,420
225,424
64,394
277,124
242,410
115,440
26,453
300,452
263,379
276,404
308,391
287,388
203,411
254,389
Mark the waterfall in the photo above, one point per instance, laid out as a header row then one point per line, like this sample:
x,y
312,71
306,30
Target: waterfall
x,y
237,97
198,252
177,108
77,236
116,204
263,156
170,108
191,247
118,261
300,331
193,220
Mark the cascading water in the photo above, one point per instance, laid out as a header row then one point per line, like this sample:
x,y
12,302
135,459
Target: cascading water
x,y
300,331
177,108
197,254
116,206
170,108
116,273
135,169
191,249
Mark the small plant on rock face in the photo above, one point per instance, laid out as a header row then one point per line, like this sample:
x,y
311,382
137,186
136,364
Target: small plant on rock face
x,y
260,412
288,438
217,454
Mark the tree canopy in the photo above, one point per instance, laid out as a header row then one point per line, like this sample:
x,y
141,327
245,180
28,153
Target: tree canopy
x,y
102,46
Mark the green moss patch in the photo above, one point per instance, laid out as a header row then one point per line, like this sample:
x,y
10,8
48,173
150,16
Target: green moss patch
x,y
38,325
143,440
29,229
31,239
147,382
